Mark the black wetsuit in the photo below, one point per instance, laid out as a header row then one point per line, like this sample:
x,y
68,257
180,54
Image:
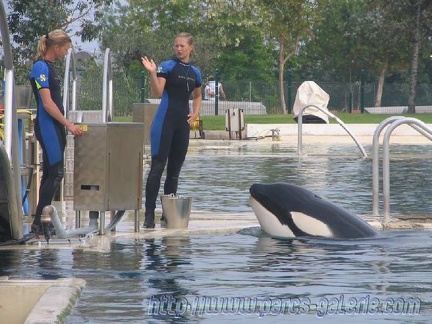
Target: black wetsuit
x,y
49,132
170,130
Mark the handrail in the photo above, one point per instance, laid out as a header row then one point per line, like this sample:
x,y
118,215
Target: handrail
x,y
300,129
422,128
375,158
107,89
15,217
9,102
70,63
10,119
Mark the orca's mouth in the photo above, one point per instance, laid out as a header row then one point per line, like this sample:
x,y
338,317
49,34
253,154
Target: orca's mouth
x,y
265,198
256,191
259,193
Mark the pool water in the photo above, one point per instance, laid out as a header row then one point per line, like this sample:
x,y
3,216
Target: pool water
x,y
249,276
218,177
125,282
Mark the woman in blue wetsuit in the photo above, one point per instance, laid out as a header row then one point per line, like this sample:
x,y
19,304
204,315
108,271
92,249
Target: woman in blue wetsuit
x,y
173,80
50,124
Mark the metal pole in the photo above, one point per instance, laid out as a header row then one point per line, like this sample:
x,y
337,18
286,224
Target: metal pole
x,y
70,103
142,94
107,89
216,92
362,92
289,90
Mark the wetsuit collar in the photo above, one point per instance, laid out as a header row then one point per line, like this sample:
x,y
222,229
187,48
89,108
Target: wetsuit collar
x,y
180,61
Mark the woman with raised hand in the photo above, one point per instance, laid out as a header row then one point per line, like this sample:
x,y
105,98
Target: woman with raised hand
x,y
175,81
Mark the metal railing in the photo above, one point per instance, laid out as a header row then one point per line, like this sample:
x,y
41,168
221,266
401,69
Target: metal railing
x,y
340,122
11,124
70,68
107,90
392,123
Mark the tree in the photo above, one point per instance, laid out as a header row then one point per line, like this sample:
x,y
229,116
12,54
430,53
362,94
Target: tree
x,y
385,41
418,10
148,27
226,36
373,36
29,19
289,24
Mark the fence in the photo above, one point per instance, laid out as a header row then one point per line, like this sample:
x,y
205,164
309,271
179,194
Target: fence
x,y
256,97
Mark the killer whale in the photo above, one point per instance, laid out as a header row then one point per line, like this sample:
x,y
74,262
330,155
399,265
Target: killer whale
x,y
286,210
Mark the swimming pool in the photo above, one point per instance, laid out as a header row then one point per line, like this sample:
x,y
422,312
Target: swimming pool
x,y
248,275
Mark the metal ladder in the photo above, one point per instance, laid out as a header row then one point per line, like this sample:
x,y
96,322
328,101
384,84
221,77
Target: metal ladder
x,y
392,123
340,122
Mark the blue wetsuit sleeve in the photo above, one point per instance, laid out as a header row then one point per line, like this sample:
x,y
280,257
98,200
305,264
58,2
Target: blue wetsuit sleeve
x,y
165,68
40,74
198,82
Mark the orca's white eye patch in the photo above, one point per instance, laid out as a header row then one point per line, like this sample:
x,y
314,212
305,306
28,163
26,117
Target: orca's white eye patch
x,y
311,225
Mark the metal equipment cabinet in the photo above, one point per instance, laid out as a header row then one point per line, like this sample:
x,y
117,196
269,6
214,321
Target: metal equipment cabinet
x,y
108,167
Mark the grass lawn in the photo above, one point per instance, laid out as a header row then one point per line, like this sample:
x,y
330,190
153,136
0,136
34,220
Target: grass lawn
x,y
218,122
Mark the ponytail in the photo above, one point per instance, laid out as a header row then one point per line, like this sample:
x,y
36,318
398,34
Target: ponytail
x,y
56,37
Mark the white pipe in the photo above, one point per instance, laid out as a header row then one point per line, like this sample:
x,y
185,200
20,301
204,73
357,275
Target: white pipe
x,y
61,233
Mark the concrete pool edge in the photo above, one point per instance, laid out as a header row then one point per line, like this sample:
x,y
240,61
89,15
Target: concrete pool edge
x,y
206,223
38,301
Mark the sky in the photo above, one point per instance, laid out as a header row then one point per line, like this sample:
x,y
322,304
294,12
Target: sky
x,y
90,47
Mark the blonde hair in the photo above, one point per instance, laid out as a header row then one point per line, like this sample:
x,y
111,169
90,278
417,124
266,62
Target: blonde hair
x,y
56,37
188,37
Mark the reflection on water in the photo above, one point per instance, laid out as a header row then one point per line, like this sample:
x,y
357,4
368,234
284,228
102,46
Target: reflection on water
x,y
135,279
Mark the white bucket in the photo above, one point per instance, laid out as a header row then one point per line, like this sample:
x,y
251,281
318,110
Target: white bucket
x,y
176,210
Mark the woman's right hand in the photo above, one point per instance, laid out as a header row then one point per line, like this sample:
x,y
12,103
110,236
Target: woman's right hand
x,y
149,64
75,129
